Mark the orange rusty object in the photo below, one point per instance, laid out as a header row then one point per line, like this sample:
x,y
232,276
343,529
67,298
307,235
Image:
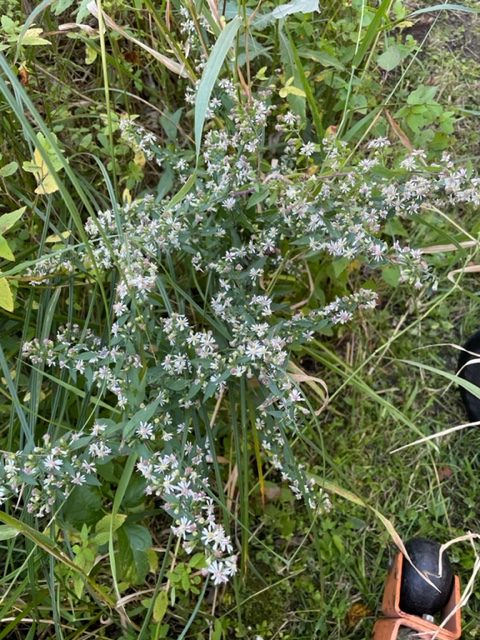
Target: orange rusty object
x,y
388,628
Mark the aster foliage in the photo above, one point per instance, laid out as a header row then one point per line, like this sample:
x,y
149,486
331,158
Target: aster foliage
x,y
199,319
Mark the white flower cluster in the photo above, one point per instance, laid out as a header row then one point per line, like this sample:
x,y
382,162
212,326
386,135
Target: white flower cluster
x,y
48,471
186,495
200,313
137,137
82,353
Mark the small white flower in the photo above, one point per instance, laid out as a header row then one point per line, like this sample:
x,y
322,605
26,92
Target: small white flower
x,y
52,464
308,149
145,431
218,572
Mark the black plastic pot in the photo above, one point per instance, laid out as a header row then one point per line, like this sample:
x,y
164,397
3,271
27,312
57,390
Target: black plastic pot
x,y
416,595
471,373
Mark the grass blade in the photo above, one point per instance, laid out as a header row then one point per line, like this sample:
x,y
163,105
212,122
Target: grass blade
x,y
312,102
472,388
372,32
444,7
210,75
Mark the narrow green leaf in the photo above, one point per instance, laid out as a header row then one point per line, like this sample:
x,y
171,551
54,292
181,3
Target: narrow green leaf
x,y
78,392
181,193
332,487
295,6
311,100
14,94
16,402
210,75
372,31
142,415
443,7
469,386
297,103
117,501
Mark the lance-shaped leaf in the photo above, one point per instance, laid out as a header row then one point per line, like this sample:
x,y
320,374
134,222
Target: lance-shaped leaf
x,y
210,75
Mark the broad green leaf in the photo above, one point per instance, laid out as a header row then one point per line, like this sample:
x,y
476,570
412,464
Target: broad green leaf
x,y
423,94
152,557
138,536
210,75
60,237
101,538
45,180
291,90
8,25
390,58
83,11
391,275
90,54
5,251
131,565
31,37
6,297
61,6
78,587
340,265
7,532
8,169
197,561
107,521
217,630
160,606
83,506
170,122
9,219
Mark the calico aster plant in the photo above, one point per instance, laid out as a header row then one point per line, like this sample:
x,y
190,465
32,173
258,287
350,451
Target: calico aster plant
x,y
199,319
